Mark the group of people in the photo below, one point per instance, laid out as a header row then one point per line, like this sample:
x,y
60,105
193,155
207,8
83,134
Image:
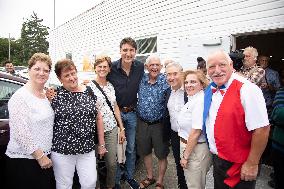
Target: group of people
x,y
223,123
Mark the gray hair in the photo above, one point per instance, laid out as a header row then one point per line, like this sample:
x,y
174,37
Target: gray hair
x,y
168,61
222,52
252,50
176,65
152,57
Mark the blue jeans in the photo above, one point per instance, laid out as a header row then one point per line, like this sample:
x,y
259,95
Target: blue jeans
x,y
130,123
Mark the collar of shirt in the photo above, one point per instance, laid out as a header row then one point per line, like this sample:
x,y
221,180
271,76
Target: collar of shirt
x,y
228,83
180,89
191,98
118,66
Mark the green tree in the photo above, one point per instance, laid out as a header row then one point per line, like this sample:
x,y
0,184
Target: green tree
x,y
15,49
4,46
33,38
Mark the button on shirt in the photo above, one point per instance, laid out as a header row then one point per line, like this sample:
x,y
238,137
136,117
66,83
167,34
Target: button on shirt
x,y
252,101
126,87
175,103
151,98
191,116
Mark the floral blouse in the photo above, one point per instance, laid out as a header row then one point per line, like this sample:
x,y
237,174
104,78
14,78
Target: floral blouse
x,y
75,121
108,117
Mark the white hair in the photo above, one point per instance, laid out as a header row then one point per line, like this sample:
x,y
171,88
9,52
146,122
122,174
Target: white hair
x,y
152,57
252,50
174,64
168,61
222,52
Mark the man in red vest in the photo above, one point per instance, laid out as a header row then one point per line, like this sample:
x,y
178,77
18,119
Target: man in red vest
x,y
236,124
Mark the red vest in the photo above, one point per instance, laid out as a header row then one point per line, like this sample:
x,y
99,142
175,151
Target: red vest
x,y
233,140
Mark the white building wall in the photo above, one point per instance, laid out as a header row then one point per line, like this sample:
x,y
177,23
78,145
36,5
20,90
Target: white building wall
x,y
181,26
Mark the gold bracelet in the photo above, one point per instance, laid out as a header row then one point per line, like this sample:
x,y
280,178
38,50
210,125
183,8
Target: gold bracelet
x,y
122,129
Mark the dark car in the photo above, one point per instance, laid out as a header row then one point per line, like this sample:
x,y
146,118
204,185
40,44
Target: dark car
x,y
9,84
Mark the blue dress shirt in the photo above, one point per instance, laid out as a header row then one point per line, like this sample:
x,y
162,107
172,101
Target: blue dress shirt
x,y
151,98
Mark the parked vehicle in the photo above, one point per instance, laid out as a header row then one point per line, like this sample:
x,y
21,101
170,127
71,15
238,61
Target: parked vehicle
x,y
9,84
20,68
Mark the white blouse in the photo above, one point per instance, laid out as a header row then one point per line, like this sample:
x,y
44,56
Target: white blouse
x,y
191,116
109,120
31,124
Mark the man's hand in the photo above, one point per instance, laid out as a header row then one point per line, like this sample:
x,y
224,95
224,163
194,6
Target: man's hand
x,y
249,171
50,93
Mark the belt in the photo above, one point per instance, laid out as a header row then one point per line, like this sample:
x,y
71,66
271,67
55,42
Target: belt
x,y
127,109
151,122
185,141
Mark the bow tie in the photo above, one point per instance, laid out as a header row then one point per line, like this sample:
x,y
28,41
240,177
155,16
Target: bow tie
x,y
221,89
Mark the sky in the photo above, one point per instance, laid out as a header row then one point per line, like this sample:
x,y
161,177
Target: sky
x,y
14,12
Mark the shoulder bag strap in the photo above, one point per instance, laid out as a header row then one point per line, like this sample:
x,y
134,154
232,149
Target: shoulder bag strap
x,y
91,93
107,100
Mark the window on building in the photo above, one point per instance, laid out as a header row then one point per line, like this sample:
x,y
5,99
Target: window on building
x,y
147,45
69,56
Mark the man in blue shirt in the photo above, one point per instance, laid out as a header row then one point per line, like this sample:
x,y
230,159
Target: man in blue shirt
x,y
125,76
150,109
271,83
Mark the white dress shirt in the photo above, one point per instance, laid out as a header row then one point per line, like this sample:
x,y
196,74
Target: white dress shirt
x,y
175,103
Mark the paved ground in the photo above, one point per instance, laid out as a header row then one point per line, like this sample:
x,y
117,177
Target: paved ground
x,y
171,178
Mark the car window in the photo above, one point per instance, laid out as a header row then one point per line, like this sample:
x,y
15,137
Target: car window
x,y
7,89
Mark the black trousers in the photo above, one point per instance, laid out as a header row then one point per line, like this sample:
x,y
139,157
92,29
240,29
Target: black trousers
x,y
175,142
3,159
220,168
27,174
278,165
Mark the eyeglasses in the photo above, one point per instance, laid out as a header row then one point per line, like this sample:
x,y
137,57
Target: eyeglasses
x,y
192,82
154,65
37,69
